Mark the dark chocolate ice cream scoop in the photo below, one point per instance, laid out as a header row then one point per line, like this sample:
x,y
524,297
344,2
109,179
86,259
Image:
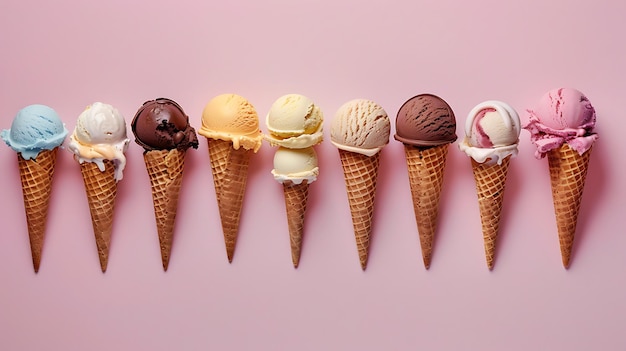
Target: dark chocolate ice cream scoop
x,y
162,124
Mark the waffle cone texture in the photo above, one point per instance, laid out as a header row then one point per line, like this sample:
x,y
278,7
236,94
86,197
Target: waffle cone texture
x,y
165,169
230,174
426,168
101,190
360,174
490,185
296,198
568,171
36,177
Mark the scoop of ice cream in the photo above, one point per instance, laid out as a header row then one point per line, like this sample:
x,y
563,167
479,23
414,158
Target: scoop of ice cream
x,y
565,108
162,124
294,121
233,118
425,120
563,115
100,135
492,124
360,126
295,165
491,132
35,128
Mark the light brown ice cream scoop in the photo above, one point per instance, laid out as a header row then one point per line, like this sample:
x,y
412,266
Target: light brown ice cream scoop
x,y
360,126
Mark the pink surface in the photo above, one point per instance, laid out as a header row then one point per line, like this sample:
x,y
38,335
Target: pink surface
x,y
69,54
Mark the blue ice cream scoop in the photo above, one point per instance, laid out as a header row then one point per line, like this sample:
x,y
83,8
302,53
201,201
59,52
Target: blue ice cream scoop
x,y
34,129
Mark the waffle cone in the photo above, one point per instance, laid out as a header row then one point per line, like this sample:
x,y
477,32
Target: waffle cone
x,y
165,168
230,174
490,183
568,171
36,176
426,168
296,196
101,189
360,173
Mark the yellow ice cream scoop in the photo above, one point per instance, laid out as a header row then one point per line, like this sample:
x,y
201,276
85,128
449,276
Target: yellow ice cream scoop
x,y
233,118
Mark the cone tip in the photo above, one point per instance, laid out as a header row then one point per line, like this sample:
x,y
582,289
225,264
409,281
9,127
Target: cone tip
x,y
36,265
230,252
363,257
295,258
36,256
565,257
103,265
165,260
490,264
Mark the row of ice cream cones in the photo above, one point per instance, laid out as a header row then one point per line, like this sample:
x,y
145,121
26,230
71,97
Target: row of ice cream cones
x,y
425,125
425,169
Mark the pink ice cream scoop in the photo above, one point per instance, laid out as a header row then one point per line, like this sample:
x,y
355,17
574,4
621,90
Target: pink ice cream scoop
x,y
563,115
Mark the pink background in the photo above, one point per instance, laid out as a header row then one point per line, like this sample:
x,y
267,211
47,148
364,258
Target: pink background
x,y
68,54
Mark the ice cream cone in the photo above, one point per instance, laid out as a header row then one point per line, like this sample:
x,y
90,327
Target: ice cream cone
x,y
296,196
230,174
568,171
36,176
360,173
426,168
101,189
490,183
165,168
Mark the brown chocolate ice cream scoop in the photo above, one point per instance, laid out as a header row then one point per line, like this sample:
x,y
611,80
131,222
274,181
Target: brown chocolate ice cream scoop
x,y
162,124
425,120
